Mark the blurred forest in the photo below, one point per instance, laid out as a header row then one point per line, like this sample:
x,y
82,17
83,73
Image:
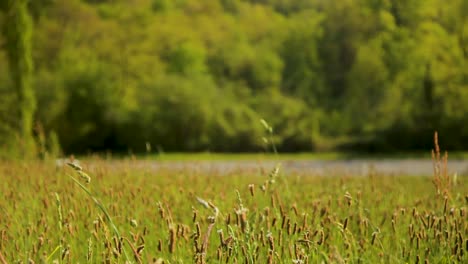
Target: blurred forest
x,y
192,75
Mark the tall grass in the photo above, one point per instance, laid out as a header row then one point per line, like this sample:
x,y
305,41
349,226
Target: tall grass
x,y
185,216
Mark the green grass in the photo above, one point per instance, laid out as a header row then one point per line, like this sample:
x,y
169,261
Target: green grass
x,y
250,217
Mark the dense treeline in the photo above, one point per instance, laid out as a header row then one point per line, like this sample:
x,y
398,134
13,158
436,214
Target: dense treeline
x,y
190,75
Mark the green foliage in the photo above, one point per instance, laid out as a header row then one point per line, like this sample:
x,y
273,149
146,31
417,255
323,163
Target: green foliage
x,y
94,106
293,122
198,75
161,5
368,92
302,72
182,115
186,59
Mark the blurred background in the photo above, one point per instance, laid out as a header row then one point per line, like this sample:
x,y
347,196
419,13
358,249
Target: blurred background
x,y
85,76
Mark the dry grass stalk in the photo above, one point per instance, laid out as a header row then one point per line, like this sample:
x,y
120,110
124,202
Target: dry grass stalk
x,y
2,259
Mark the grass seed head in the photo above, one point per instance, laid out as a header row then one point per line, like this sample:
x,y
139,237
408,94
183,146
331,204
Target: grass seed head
x,y
84,176
252,189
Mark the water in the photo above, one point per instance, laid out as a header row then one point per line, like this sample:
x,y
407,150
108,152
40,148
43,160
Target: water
x,y
353,167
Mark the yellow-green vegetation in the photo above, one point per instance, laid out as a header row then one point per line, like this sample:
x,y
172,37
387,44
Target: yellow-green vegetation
x,y
192,75
119,213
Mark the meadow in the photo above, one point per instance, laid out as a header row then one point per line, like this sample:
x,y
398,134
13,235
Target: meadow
x,y
150,77
95,213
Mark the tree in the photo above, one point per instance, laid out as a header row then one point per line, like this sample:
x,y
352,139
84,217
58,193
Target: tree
x,y
198,75
18,32
302,72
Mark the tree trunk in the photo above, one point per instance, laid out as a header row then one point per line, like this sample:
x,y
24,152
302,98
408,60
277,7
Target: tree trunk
x,y
18,31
